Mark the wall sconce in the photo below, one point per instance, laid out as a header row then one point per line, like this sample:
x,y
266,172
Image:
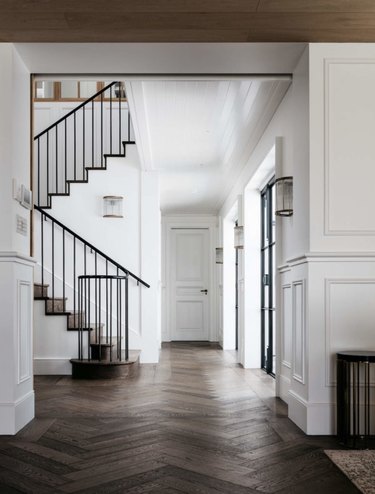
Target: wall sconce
x,y
238,237
219,255
284,196
113,206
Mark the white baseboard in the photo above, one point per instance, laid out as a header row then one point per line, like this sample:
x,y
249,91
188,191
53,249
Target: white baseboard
x,y
284,387
52,367
14,416
312,418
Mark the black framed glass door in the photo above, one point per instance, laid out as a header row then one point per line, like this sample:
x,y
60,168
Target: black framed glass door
x,y
268,243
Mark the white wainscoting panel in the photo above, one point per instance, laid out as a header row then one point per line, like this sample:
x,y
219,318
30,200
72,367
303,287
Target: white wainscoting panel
x,y
287,323
24,314
299,329
349,147
350,316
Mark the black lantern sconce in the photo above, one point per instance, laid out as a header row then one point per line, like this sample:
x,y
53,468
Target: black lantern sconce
x,y
284,196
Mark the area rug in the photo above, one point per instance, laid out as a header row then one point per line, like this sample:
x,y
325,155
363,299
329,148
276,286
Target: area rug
x,y
357,465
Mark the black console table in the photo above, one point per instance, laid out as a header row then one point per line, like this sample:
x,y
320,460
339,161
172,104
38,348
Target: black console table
x,y
354,398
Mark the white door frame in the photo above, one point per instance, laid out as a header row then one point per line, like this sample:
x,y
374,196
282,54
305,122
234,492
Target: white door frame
x,y
170,222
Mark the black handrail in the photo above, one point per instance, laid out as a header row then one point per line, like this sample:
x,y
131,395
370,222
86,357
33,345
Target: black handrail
x,y
80,141
90,246
75,110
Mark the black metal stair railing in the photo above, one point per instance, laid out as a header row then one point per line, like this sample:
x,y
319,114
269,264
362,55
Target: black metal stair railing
x,y
65,256
103,328
80,141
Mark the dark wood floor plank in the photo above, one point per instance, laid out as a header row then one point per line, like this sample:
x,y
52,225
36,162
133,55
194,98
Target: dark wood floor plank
x,y
196,423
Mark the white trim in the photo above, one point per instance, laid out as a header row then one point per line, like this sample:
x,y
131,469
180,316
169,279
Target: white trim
x,y
13,256
300,377
15,415
329,381
52,367
328,230
24,332
286,286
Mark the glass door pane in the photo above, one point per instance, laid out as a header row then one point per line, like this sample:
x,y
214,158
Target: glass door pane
x,y
268,269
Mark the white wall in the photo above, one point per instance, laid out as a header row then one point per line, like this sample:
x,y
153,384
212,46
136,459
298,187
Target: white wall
x,y
125,240
16,266
338,269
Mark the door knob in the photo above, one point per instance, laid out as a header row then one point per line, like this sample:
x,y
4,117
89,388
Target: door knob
x,y
204,291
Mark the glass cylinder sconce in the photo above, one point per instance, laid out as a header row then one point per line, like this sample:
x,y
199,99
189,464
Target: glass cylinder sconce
x,y
113,207
219,255
238,237
284,196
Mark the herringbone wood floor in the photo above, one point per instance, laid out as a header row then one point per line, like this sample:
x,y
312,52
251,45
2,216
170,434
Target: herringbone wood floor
x,y
196,423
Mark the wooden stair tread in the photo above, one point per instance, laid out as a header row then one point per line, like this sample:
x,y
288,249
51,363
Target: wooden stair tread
x,y
106,345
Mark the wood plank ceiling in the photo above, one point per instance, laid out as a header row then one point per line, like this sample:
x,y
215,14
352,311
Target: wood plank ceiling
x,y
200,135
187,21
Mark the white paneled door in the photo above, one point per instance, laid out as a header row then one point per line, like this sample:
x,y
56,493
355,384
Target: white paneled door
x,y
189,282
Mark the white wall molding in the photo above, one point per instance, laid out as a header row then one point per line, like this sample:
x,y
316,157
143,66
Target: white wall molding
x,y
339,336
299,330
329,257
24,328
331,127
286,320
12,256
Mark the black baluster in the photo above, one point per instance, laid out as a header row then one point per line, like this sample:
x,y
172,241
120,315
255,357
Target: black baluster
x,y
85,325
96,300
39,202
83,143
106,300
118,330
75,146
99,308
92,132
53,266
84,259
42,246
57,160
66,155
101,131
79,321
48,203
119,120
110,120
110,318
89,321
74,275
120,297
126,318
63,259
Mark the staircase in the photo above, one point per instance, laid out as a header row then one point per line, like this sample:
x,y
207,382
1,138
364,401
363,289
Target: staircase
x,y
76,279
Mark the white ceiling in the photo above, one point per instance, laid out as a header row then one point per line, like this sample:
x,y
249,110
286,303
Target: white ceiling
x,y
199,134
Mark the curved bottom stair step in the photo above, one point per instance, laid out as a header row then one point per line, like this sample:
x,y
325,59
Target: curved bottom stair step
x,y
95,369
